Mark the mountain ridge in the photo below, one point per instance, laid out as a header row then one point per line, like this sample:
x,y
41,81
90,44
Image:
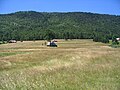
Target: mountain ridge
x,y
29,25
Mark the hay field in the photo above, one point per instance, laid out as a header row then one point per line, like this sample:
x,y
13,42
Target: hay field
x,y
73,65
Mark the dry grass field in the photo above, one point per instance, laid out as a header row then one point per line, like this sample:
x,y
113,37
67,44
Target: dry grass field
x,y
73,65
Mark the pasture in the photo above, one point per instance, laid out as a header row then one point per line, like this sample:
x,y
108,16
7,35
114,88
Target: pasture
x,y
73,65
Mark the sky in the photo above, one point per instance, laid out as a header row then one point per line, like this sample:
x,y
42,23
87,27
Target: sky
x,y
94,6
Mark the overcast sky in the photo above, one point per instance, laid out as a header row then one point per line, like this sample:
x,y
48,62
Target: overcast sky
x,y
94,6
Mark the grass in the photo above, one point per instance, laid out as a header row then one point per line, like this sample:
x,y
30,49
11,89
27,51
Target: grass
x,y
73,65
4,54
114,46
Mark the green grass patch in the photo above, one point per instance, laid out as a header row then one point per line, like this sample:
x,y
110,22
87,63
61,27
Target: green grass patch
x,y
115,46
4,54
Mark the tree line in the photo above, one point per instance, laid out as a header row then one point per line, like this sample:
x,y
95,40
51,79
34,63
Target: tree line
x,y
31,25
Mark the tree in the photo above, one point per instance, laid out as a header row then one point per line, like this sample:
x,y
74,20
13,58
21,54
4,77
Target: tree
x,y
66,35
75,25
114,40
105,40
100,38
49,35
97,38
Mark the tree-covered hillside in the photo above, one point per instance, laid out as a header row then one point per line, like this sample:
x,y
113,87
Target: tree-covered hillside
x,y
31,25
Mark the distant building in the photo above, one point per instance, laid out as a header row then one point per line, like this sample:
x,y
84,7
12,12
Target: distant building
x,y
12,41
52,44
118,39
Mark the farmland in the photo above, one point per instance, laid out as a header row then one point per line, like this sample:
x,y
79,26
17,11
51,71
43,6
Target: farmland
x,y
73,65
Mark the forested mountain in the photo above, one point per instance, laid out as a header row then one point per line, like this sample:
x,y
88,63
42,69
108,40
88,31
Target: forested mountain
x,y
31,25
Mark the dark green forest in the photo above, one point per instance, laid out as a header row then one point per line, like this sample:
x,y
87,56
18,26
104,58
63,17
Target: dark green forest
x,y
31,25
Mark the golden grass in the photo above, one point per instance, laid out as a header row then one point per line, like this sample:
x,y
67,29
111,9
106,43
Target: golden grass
x,y
73,65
